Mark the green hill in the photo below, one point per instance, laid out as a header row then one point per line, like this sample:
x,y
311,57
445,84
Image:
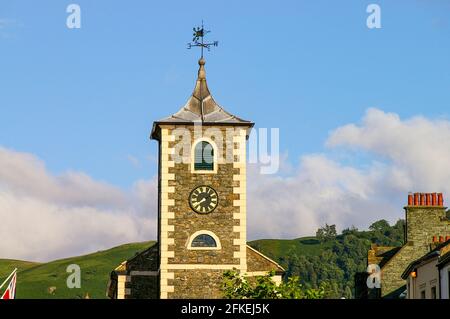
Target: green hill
x,y
279,249
7,265
35,279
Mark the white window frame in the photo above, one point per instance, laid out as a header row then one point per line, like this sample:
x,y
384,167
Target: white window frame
x,y
214,146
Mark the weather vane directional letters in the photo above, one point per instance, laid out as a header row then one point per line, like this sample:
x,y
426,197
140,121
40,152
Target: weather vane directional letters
x,y
197,40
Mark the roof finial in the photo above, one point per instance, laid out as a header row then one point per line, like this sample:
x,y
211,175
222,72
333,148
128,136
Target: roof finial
x,y
201,69
197,40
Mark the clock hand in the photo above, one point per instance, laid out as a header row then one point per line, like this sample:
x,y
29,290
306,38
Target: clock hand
x,y
199,202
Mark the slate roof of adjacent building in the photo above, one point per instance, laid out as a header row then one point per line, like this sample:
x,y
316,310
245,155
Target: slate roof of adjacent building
x,y
444,260
380,255
201,108
145,260
257,262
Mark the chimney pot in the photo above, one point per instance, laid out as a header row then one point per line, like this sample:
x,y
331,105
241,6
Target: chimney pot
x,y
428,199
410,200
447,238
433,199
422,199
440,200
441,239
434,239
416,199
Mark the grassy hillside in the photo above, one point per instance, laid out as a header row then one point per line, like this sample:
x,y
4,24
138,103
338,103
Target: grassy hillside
x,y
34,279
278,249
8,265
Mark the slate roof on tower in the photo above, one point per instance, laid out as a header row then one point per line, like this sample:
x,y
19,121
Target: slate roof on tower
x,y
201,108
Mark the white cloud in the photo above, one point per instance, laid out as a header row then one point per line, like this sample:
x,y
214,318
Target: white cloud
x,y
405,155
417,149
45,216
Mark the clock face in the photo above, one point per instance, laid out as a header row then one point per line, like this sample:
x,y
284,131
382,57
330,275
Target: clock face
x,y
203,199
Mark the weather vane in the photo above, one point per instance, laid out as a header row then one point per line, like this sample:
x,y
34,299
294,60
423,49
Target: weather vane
x,y
197,40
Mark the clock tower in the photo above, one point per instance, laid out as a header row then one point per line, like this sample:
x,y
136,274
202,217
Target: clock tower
x,y
202,195
202,207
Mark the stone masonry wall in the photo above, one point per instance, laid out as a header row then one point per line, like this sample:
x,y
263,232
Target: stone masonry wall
x,y
425,222
143,287
140,275
220,221
391,279
198,284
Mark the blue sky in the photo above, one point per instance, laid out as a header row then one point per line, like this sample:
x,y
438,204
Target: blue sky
x,y
364,114
85,99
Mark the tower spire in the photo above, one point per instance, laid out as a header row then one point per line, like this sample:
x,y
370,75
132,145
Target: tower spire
x,y
201,88
201,106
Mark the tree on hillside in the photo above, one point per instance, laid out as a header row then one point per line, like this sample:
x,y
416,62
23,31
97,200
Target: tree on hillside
x,y
326,233
381,233
381,226
350,231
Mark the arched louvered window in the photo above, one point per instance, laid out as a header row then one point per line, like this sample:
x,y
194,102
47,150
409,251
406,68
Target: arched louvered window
x,y
204,156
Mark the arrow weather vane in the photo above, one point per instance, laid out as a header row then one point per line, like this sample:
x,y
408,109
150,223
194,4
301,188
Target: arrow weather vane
x,y
197,40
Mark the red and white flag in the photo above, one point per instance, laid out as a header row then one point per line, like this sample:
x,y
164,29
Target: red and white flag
x,y
10,291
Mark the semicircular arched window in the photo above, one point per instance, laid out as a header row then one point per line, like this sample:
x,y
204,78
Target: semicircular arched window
x,y
204,240
204,156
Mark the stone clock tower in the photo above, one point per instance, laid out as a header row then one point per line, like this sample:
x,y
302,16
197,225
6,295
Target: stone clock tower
x,y
202,206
